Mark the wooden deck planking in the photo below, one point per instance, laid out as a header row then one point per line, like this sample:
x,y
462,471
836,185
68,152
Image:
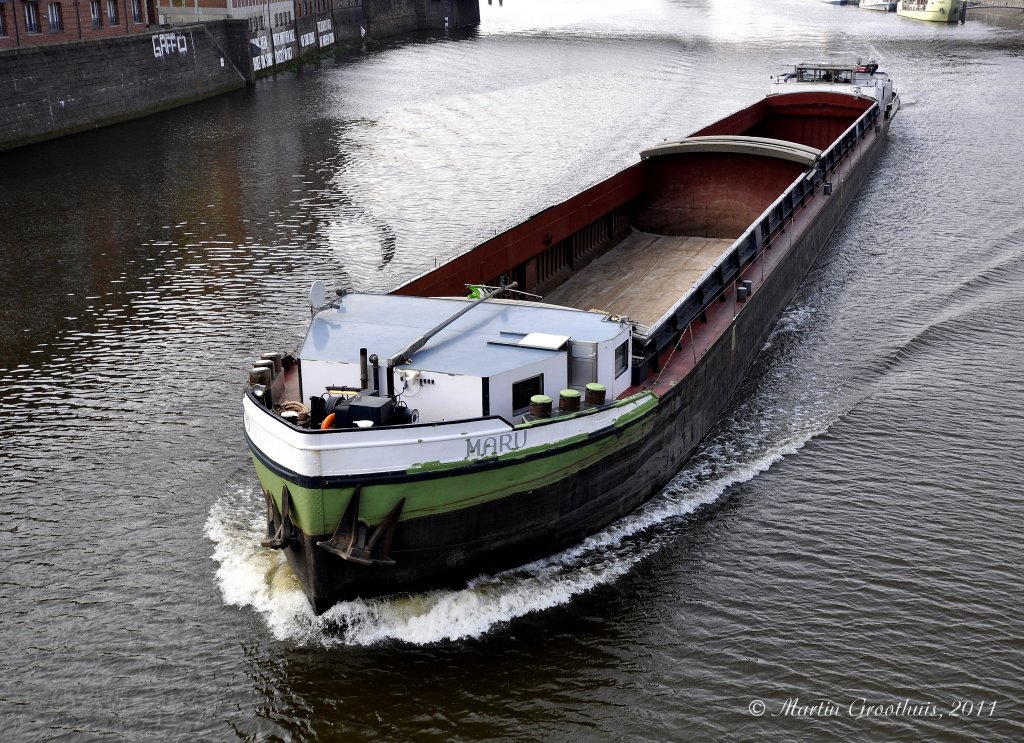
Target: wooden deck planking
x,y
642,277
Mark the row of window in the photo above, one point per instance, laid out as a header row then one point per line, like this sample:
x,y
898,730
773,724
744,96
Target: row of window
x,y
55,16
258,23
316,6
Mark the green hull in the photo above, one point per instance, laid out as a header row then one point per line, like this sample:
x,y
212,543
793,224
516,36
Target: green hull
x,y
433,489
947,11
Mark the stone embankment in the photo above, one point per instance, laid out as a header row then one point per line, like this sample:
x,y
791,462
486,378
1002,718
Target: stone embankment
x,y
57,89
1009,14
53,90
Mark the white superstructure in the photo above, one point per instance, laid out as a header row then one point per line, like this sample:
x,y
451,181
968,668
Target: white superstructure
x,y
860,79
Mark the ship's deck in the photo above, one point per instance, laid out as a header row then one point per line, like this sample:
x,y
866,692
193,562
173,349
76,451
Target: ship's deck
x,y
641,277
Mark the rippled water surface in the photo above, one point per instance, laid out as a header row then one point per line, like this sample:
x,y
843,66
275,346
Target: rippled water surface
x,y
847,536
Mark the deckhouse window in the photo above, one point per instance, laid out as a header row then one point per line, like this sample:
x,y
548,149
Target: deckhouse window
x,y
523,390
828,75
621,358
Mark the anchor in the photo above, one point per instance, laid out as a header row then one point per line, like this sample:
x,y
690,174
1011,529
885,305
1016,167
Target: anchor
x,y
285,532
355,542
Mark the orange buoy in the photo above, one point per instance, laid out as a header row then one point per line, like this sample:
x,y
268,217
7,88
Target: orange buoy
x,y
328,422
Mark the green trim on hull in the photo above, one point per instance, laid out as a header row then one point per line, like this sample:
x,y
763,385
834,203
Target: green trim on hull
x,y
317,511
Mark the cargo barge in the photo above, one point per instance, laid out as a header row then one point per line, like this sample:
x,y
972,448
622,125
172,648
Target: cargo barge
x,y
422,437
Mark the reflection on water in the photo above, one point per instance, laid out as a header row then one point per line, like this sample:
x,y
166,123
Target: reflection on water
x,y
847,530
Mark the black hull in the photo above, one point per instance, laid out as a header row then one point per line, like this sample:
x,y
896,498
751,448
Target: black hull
x,y
434,551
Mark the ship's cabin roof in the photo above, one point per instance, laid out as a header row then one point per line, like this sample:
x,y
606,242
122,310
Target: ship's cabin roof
x,y
496,336
490,361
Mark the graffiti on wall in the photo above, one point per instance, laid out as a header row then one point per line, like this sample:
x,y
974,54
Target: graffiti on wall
x,y
165,45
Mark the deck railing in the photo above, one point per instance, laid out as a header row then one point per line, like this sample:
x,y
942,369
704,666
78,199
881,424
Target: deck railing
x,y
650,343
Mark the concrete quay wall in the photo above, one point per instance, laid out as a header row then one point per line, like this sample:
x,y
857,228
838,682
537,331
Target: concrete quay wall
x,y
57,89
305,37
394,17
52,90
1011,16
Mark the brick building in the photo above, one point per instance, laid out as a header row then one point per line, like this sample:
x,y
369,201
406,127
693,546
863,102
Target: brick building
x,y
261,14
34,22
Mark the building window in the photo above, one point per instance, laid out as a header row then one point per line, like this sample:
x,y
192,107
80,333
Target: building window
x,y
136,12
621,359
54,16
94,11
3,21
32,18
112,12
523,390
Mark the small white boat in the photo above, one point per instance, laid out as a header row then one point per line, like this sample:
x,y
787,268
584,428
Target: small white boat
x,y
889,6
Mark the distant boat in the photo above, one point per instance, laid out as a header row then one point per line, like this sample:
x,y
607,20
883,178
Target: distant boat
x,y
886,5
938,11
838,2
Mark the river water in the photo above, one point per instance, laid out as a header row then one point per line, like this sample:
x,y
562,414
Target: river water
x,y
848,536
